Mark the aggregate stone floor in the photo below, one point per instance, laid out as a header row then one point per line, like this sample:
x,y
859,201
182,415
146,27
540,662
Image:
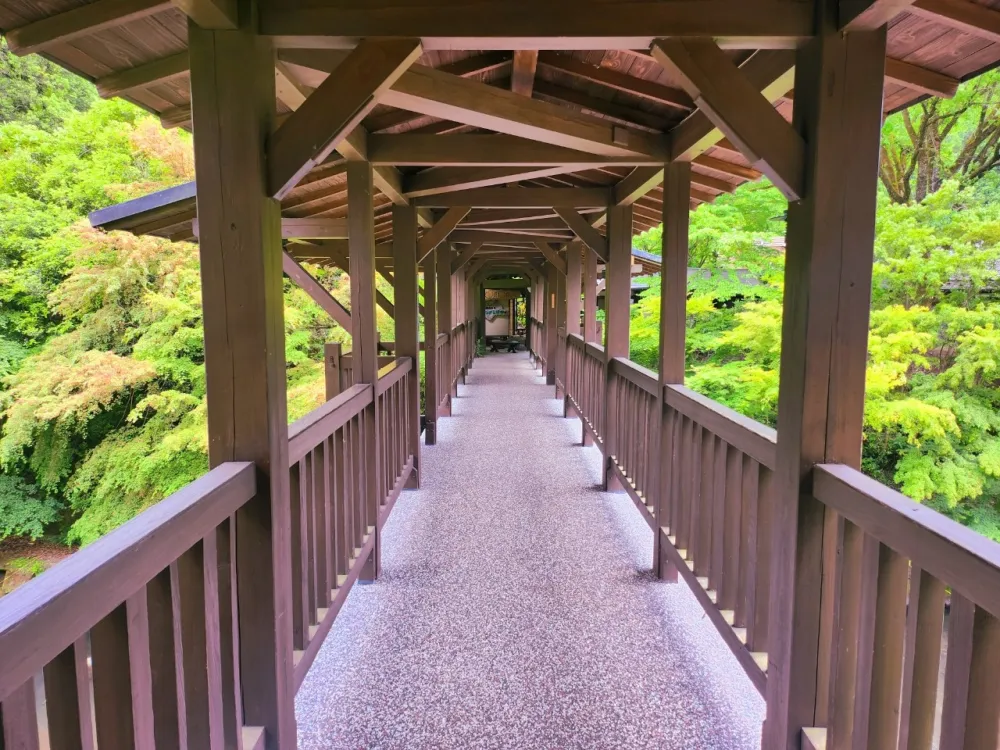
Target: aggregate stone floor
x,y
516,608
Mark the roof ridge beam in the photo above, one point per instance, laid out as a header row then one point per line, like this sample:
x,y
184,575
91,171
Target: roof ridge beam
x,y
335,109
737,108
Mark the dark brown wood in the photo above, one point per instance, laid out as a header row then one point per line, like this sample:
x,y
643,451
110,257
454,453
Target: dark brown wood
x,y
404,245
868,15
67,699
574,279
158,71
838,112
233,100
968,17
113,710
445,323
164,645
430,350
316,291
922,662
210,14
618,81
958,669
61,28
887,668
19,719
549,320
590,297
332,111
522,78
585,231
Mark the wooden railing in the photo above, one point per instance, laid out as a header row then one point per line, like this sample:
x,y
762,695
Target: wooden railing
x,y
699,473
394,410
904,571
442,385
586,386
715,516
145,618
536,342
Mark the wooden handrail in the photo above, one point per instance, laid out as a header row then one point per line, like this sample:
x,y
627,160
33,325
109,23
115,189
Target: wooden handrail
x,y
45,616
746,435
441,338
951,552
392,373
636,374
306,433
596,351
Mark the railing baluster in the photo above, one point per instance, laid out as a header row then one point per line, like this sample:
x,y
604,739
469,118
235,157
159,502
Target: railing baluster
x,y
320,470
164,640
19,718
67,699
887,667
300,598
715,575
703,547
958,670
110,655
922,663
746,593
731,533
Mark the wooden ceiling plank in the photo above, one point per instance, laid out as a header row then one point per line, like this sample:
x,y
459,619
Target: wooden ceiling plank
x,y
557,24
720,165
639,182
72,24
482,235
493,197
867,15
452,179
586,232
626,116
972,18
736,107
920,79
449,97
335,109
486,150
440,231
522,79
211,14
157,71
650,90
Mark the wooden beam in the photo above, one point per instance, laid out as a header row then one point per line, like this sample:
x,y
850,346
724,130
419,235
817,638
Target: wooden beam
x,y
440,231
551,255
316,291
920,79
867,15
452,179
972,18
520,198
334,109
500,237
82,21
522,78
210,14
769,71
341,259
585,231
465,256
613,79
485,216
737,108
449,97
233,100
287,87
158,71
486,150
639,182
625,116
564,24
430,348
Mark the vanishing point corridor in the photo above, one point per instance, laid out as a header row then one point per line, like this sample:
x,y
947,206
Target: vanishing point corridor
x,y
516,607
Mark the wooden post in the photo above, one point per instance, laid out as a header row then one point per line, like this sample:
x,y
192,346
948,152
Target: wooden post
x,y
673,318
430,348
364,338
617,303
560,333
446,369
551,316
404,249
838,112
332,369
233,103
574,279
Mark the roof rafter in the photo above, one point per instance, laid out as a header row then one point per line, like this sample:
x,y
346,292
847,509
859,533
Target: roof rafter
x,y
86,19
585,231
440,231
493,197
452,179
522,77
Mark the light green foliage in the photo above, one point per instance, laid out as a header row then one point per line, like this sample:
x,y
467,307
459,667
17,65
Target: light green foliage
x,y
932,406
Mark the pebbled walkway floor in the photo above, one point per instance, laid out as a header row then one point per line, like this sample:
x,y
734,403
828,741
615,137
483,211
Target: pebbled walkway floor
x,y
516,607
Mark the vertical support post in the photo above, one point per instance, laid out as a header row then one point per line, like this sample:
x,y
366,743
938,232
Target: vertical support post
x,y
332,369
404,251
550,316
830,238
364,340
446,369
574,280
617,303
673,317
430,348
233,103
560,333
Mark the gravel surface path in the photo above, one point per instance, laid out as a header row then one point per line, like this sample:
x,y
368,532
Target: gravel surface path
x,y
516,607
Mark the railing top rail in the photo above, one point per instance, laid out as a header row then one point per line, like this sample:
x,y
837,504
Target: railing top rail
x,y
640,376
392,373
45,616
954,554
596,351
575,339
747,435
441,338
306,433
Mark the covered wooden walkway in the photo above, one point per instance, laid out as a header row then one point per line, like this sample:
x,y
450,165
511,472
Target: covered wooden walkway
x,y
517,607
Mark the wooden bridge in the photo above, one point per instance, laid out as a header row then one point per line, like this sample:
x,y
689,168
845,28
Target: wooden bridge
x,y
453,142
